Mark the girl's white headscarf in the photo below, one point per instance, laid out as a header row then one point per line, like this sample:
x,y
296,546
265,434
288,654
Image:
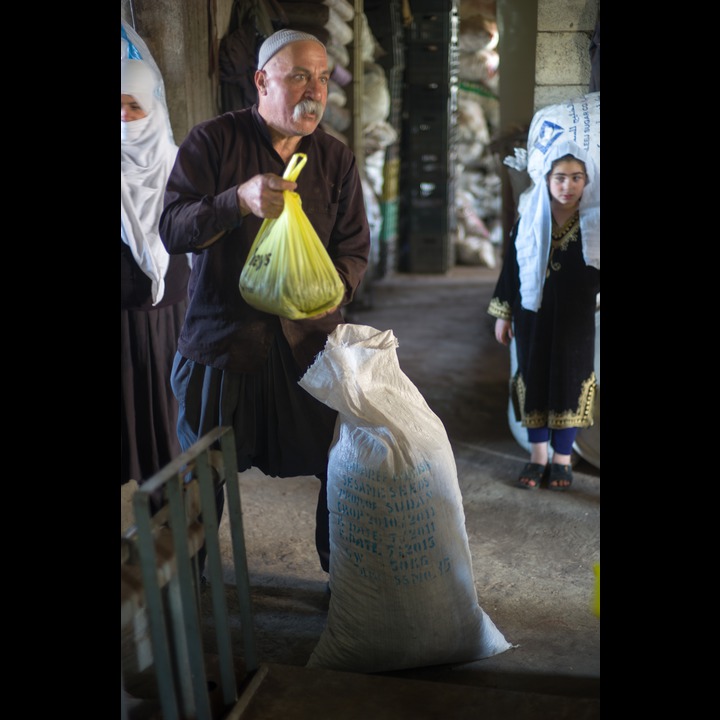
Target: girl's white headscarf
x,y
147,154
535,225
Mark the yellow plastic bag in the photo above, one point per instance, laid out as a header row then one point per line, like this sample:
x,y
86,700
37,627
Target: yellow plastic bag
x,y
288,271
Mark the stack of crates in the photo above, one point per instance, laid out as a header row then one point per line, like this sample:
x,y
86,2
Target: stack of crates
x,y
427,223
385,21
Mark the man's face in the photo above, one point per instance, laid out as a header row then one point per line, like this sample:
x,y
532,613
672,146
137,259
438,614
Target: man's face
x,y
293,88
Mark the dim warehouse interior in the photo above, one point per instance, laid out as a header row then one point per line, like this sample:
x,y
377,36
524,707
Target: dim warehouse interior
x,y
534,554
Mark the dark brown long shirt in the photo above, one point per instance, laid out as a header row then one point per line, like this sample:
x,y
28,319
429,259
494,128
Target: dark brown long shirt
x,y
221,329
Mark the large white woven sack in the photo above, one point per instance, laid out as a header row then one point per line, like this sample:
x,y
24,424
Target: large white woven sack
x,y
571,126
403,591
576,120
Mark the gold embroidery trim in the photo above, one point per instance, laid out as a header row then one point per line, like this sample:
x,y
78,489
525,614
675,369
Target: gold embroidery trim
x,y
561,238
581,417
500,309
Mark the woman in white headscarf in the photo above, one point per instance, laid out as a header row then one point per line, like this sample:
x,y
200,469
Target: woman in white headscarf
x,y
545,298
153,284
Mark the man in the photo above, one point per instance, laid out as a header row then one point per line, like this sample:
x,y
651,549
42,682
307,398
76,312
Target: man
x,y
238,366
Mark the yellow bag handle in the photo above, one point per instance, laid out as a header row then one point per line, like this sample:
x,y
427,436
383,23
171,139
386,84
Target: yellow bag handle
x,y
296,164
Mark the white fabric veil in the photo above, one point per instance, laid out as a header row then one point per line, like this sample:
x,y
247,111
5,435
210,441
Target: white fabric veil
x,y
147,154
548,141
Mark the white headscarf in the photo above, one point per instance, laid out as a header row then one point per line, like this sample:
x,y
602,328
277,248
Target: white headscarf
x,y
535,226
147,154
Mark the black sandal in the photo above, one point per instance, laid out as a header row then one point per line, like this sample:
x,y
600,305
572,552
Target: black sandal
x,y
558,474
532,472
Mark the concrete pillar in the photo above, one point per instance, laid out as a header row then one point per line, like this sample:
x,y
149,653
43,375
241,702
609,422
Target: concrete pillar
x,y
184,39
564,31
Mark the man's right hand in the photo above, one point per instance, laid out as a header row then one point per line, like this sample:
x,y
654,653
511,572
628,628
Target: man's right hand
x,y
262,195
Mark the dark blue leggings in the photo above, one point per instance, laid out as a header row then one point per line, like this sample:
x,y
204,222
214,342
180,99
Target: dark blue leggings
x,y
561,440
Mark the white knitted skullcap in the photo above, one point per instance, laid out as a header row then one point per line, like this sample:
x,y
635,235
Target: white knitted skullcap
x,y
278,40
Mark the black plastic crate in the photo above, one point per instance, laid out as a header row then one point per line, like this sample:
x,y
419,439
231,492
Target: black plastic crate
x,y
425,232
424,193
428,63
432,218
419,147
425,199
434,21
429,136
422,6
431,166
431,253
430,26
420,112
417,172
427,98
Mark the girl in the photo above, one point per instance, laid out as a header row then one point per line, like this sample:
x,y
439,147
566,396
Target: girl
x,y
546,297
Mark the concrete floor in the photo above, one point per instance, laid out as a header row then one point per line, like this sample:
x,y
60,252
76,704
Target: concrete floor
x,y
532,552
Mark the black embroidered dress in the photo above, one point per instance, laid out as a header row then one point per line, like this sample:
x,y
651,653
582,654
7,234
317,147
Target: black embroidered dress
x,y
555,383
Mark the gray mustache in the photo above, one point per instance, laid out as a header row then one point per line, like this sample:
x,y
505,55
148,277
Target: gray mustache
x,y
308,106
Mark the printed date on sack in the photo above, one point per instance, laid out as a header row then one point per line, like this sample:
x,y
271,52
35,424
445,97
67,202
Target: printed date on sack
x,y
359,536
405,549
416,570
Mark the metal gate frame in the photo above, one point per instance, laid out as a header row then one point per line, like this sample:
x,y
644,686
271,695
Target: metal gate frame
x,y
164,544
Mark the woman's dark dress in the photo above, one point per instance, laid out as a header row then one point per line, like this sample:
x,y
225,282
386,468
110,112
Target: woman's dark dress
x,y
148,341
555,382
